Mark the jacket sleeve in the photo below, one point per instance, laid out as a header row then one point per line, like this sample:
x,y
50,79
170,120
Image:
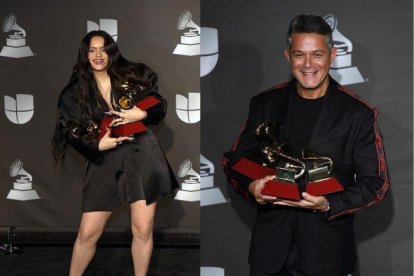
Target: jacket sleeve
x,y
70,117
371,179
157,112
243,145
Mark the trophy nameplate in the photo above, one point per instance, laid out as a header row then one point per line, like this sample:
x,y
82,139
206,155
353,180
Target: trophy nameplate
x,y
283,186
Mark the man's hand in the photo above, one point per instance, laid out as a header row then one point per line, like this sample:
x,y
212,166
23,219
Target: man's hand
x,y
317,203
256,187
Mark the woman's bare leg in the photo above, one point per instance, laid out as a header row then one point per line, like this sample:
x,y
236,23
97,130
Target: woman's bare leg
x,y
91,228
142,221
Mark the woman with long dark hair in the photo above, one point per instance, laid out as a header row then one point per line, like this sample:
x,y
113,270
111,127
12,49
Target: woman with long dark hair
x,y
125,161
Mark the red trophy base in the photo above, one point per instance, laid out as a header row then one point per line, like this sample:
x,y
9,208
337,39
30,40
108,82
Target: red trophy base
x,y
130,128
324,187
277,188
281,189
252,170
122,130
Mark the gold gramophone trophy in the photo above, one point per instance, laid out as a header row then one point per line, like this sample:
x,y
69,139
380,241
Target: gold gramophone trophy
x,y
88,131
320,180
126,96
271,159
287,168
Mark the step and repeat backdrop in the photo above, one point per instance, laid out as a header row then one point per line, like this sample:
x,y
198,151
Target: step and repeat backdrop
x,y
242,54
38,47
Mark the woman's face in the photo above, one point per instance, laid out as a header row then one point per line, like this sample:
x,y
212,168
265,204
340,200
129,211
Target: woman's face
x,y
96,55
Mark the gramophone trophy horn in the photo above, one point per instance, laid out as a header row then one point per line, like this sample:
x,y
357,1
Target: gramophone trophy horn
x,y
9,24
184,21
17,169
128,94
319,174
186,169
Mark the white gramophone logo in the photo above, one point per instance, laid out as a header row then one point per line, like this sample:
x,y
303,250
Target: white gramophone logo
x,y
190,39
188,109
342,70
16,41
210,195
108,25
19,110
211,271
209,50
190,187
22,185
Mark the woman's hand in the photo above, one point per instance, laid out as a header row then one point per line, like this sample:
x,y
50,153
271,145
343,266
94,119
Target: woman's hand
x,y
108,142
128,116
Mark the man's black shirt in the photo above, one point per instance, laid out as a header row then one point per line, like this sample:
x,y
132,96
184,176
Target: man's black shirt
x,y
303,115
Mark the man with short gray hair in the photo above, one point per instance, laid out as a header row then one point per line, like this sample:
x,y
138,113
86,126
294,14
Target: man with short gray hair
x,y
314,235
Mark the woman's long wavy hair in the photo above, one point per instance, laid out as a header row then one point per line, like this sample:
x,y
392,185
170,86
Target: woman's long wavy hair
x,y
118,68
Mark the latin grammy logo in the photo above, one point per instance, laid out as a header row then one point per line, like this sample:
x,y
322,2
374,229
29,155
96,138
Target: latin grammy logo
x,y
210,195
342,70
209,50
16,42
190,188
20,110
190,40
22,185
188,109
108,25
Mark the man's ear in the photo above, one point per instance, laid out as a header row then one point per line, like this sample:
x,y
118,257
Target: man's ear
x,y
287,54
333,55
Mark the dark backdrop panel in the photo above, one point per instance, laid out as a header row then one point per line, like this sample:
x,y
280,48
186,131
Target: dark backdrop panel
x,y
146,32
251,36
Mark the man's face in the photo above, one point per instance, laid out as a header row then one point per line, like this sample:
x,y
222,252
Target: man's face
x,y
310,58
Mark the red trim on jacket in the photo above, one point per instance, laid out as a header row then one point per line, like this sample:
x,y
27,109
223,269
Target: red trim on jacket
x,y
382,165
276,86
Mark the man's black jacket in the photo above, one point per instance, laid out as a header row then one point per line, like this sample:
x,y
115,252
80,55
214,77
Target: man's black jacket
x,y
346,130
